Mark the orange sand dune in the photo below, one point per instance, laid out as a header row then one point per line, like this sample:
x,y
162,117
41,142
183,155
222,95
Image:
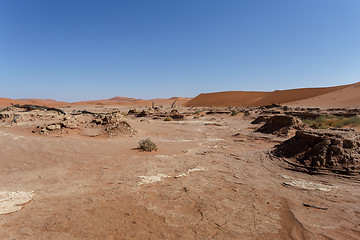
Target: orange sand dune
x,y
242,98
345,97
4,102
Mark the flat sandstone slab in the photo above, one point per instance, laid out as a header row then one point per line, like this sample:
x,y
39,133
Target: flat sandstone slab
x,y
13,201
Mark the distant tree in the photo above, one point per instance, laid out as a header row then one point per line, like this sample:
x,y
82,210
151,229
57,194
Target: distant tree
x,y
173,104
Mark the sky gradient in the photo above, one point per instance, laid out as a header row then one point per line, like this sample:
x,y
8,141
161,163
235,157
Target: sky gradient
x,y
74,50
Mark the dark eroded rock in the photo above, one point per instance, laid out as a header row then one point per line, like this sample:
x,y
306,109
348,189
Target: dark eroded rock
x,y
336,149
280,125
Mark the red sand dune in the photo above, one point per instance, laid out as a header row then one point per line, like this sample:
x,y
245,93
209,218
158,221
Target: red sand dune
x,y
4,102
242,98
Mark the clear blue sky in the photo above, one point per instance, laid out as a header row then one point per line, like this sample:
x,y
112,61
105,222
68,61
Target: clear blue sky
x,y
83,49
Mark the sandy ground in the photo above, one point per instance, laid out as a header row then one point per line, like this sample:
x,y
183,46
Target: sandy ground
x,y
202,183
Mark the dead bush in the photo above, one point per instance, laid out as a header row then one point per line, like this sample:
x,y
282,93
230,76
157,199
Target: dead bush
x,y
147,145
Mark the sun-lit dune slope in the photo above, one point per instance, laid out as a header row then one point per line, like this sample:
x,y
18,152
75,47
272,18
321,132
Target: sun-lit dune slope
x,y
345,97
286,96
243,98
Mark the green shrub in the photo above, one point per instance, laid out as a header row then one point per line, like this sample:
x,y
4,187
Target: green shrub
x,y
234,112
168,119
323,122
147,145
352,121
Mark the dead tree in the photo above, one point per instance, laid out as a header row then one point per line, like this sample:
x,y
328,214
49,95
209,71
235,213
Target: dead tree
x,y
173,104
6,109
30,107
83,112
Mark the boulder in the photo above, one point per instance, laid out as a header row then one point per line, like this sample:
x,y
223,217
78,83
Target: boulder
x,y
260,119
280,125
143,113
132,112
53,127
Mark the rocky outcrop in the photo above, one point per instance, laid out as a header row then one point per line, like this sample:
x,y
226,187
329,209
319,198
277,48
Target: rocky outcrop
x,y
143,113
112,125
280,125
260,119
337,149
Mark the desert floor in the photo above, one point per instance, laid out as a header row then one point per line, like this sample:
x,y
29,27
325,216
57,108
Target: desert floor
x,y
203,183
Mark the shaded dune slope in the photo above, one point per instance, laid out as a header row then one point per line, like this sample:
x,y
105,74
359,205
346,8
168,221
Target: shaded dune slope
x,y
234,98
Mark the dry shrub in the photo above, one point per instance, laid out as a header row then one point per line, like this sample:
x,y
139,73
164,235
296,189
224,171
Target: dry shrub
x,y
147,145
168,119
234,112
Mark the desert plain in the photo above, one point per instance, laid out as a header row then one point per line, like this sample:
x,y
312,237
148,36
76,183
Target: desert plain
x,y
233,165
